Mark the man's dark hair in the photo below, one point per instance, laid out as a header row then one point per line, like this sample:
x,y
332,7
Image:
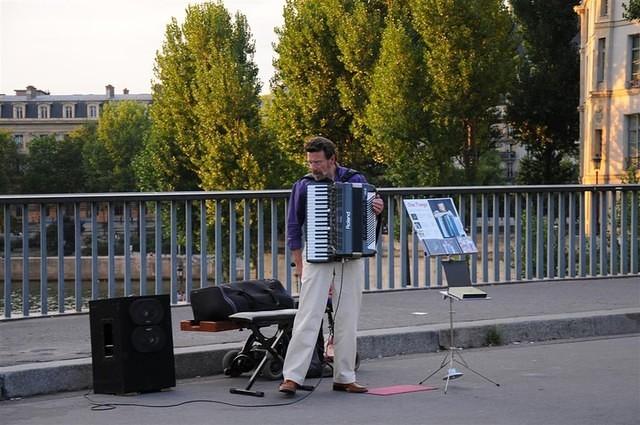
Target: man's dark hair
x,y
320,144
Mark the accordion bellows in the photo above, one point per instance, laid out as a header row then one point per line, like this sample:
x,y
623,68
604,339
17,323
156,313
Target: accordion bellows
x,y
340,221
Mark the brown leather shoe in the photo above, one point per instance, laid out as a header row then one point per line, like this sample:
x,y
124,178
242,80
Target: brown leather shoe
x,y
288,387
353,387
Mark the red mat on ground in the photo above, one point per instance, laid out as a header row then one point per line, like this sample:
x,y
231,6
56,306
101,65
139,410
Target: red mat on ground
x,y
399,389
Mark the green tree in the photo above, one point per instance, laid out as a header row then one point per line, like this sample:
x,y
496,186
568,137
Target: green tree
x,y
395,117
542,105
631,10
205,110
306,99
96,162
358,27
121,132
326,54
11,170
470,60
52,166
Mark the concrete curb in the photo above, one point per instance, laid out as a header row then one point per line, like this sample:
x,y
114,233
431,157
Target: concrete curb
x,y
72,375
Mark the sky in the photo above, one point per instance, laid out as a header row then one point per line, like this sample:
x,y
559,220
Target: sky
x,y
80,46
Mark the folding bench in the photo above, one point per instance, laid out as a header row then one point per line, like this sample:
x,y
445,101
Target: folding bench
x,y
270,349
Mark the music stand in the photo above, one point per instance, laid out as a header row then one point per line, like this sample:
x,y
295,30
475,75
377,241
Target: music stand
x,y
459,288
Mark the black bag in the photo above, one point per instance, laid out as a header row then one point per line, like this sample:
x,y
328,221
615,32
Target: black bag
x,y
219,302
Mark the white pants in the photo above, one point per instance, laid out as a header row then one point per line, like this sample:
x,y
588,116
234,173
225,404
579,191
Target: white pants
x,y
348,283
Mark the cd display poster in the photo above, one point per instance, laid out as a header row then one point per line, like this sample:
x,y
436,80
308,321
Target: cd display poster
x,y
437,224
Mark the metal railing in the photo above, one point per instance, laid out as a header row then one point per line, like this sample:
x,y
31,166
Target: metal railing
x,y
60,251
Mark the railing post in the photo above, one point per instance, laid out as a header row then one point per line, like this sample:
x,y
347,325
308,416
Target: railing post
x,y
7,260
635,232
624,233
233,274
404,272
507,237
77,234
126,212
158,250
218,242
550,236
173,218
260,218
391,243
204,257
187,266
44,296
246,240
485,238
274,239
562,222
496,237
613,231
95,290
26,289
518,242
142,240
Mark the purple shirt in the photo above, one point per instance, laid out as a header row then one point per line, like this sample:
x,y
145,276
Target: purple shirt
x,y
298,205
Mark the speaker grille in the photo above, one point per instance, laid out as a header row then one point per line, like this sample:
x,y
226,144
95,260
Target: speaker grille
x,y
148,339
146,311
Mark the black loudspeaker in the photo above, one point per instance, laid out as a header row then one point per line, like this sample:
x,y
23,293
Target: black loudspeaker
x,y
132,344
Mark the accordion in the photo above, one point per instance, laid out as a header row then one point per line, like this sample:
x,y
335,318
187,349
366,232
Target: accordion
x,y
340,221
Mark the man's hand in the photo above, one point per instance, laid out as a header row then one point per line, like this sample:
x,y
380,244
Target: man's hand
x,y
377,204
296,254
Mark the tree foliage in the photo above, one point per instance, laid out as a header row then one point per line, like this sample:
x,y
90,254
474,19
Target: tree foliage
x,y
402,87
205,110
11,170
306,99
631,10
542,106
96,161
121,132
397,121
52,166
469,59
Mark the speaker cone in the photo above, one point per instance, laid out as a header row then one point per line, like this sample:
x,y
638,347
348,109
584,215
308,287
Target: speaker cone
x,y
146,311
148,339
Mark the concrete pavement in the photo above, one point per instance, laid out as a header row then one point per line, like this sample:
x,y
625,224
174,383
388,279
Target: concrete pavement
x,y
591,381
45,355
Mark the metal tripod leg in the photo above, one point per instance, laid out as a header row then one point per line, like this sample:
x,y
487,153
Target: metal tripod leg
x,y
451,353
442,365
464,364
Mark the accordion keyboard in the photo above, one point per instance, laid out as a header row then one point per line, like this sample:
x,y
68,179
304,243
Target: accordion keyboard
x,y
340,221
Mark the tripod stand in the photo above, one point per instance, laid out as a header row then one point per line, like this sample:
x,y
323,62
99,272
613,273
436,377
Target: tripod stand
x,y
453,353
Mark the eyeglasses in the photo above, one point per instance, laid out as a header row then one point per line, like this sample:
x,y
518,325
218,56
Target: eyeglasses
x,y
317,162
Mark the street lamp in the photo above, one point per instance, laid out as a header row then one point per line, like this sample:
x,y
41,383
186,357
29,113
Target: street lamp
x,y
597,159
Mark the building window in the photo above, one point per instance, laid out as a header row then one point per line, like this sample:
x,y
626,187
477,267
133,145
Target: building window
x,y
19,140
67,111
93,111
634,60
604,7
597,144
633,142
602,45
18,112
43,111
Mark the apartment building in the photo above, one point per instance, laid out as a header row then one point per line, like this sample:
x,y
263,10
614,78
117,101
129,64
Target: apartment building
x,y
32,112
609,92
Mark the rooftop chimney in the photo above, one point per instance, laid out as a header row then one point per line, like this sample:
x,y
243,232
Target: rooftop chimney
x,y
31,92
110,91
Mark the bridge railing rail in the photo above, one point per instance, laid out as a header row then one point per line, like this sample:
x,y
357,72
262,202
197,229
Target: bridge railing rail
x,y
61,250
